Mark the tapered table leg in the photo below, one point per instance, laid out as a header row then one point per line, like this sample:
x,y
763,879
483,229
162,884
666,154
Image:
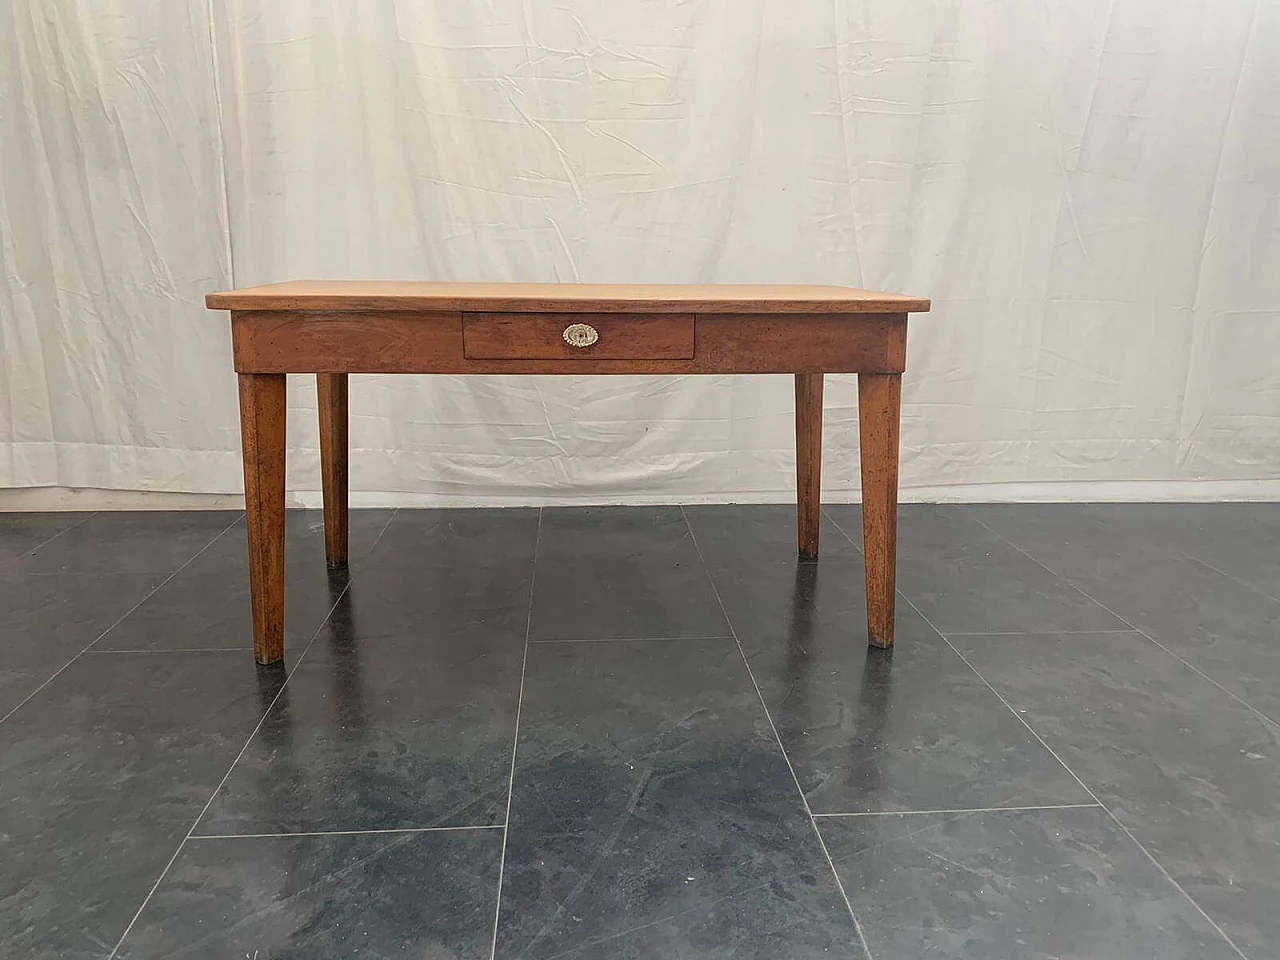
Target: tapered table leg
x,y
879,405
331,391
262,417
808,462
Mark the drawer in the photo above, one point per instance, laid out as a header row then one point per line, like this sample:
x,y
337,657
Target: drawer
x,y
595,336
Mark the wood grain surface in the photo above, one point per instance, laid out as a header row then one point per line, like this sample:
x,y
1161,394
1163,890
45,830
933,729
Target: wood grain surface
x,y
808,462
879,402
420,297
262,435
540,336
273,342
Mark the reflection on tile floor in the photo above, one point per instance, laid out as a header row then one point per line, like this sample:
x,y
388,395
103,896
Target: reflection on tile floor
x,y
645,732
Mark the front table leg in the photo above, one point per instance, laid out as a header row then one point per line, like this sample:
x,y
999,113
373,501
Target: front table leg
x,y
262,415
879,403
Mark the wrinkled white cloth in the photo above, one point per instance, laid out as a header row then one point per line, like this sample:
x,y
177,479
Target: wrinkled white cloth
x,y
1088,190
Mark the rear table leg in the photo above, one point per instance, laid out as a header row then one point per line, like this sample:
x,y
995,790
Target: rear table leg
x,y
331,392
808,462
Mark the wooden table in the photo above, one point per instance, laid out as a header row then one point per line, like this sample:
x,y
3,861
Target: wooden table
x,y
333,328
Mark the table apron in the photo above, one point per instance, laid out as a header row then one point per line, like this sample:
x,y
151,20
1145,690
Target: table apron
x,y
354,342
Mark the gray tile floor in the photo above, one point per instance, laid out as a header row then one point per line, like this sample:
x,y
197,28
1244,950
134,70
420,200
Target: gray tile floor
x,y
635,733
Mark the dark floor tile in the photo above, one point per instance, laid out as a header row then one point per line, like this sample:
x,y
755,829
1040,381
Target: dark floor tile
x,y
911,728
1194,774
411,599
1237,539
20,533
457,537
621,572
612,531
1135,561
155,543
763,531
384,733
1051,883
966,579
1075,539
304,538
324,898
654,816
207,604
1228,631
437,573
45,621
101,776
601,599
304,530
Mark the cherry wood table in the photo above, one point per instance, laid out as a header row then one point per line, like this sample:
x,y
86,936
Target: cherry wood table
x,y
333,328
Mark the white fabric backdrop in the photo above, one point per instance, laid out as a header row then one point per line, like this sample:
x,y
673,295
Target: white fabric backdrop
x,y
1089,190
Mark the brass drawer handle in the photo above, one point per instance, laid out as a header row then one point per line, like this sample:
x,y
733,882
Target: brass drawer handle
x,y
580,335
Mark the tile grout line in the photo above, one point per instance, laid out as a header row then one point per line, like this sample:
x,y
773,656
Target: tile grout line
x,y
844,533
152,592
1084,786
857,924
248,740
339,833
632,640
385,527
1133,627
515,741
1244,583
48,540
1036,633
112,653
1200,673
908,813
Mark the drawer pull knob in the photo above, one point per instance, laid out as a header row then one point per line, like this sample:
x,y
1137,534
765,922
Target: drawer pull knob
x,y
580,335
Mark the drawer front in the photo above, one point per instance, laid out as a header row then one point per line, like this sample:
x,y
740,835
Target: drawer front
x,y
585,336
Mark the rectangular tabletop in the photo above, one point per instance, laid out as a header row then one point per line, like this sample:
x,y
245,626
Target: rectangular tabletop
x,y
397,295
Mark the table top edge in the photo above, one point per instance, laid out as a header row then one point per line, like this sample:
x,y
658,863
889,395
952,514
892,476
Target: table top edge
x,y
353,296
